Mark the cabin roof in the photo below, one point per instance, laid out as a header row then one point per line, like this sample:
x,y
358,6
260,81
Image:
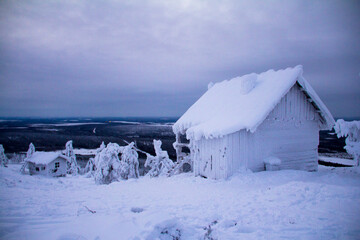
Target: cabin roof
x,y
45,157
244,103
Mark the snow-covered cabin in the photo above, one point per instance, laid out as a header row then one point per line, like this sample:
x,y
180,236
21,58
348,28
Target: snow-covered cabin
x,y
47,163
243,122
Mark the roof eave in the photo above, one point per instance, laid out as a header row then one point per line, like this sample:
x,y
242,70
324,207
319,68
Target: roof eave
x,y
327,121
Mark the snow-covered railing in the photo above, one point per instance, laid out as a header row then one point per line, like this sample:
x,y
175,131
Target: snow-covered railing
x,y
181,157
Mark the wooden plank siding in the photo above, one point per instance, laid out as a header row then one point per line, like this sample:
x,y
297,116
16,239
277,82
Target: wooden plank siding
x,y
290,132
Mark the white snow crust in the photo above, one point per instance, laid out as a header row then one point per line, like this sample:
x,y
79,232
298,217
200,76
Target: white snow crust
x,y
286,204
346,162
243,103
44,157
272,161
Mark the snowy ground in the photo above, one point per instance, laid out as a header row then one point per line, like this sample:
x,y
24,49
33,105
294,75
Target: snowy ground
x,y
265,205
345,162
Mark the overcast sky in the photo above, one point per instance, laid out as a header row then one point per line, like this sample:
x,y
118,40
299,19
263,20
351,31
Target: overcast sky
x,y
155,58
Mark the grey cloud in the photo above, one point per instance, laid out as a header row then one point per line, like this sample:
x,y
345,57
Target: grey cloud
x,y
98,58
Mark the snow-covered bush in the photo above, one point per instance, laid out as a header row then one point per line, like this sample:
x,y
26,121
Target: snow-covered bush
x,y
130,158
160,164
3,158
16,158
72,166
350,130
108,167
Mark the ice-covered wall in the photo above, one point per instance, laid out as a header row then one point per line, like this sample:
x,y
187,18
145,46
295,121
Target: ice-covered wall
x,y
50,169
290,132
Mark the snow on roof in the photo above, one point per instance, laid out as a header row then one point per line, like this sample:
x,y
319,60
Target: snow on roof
x,y
244,103
45,157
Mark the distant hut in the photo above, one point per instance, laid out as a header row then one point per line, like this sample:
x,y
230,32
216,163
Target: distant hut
x,y
258,121
47,163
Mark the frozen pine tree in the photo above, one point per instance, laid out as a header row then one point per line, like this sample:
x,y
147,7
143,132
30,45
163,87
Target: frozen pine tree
x,y
108,167
160,164
3,158
90,165
89,168
30,151
72,167
350,130
102,146
130,160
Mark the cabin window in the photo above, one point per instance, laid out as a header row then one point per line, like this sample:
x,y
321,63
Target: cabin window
x,y
57,165
37,169
42,168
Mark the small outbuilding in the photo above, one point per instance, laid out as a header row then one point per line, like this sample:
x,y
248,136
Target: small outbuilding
x,y
47,163
260,121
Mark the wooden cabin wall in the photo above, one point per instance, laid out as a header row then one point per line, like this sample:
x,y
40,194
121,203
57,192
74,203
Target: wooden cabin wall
x,y
209,158
294,106
290,132
61,170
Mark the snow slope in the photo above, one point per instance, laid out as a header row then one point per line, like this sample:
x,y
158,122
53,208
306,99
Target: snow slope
x,y
265,205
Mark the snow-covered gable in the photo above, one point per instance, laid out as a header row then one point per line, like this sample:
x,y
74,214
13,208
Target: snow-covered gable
x,y
244,103
45,157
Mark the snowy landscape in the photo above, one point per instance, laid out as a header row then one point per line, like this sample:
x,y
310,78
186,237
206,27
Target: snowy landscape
x,y
179,120
263,205
267,205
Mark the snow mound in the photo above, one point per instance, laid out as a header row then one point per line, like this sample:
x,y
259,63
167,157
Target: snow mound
x,y
247,83
243,103
71,236
272,161
167,230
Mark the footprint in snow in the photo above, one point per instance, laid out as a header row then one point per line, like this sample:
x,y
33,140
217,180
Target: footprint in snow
x,y
137,209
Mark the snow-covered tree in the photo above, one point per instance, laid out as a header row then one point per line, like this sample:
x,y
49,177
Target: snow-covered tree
x,y
72,166
90,165
107,167
160,164
3,158
102,146
107,164
89,168
130,158
30,151
350,130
